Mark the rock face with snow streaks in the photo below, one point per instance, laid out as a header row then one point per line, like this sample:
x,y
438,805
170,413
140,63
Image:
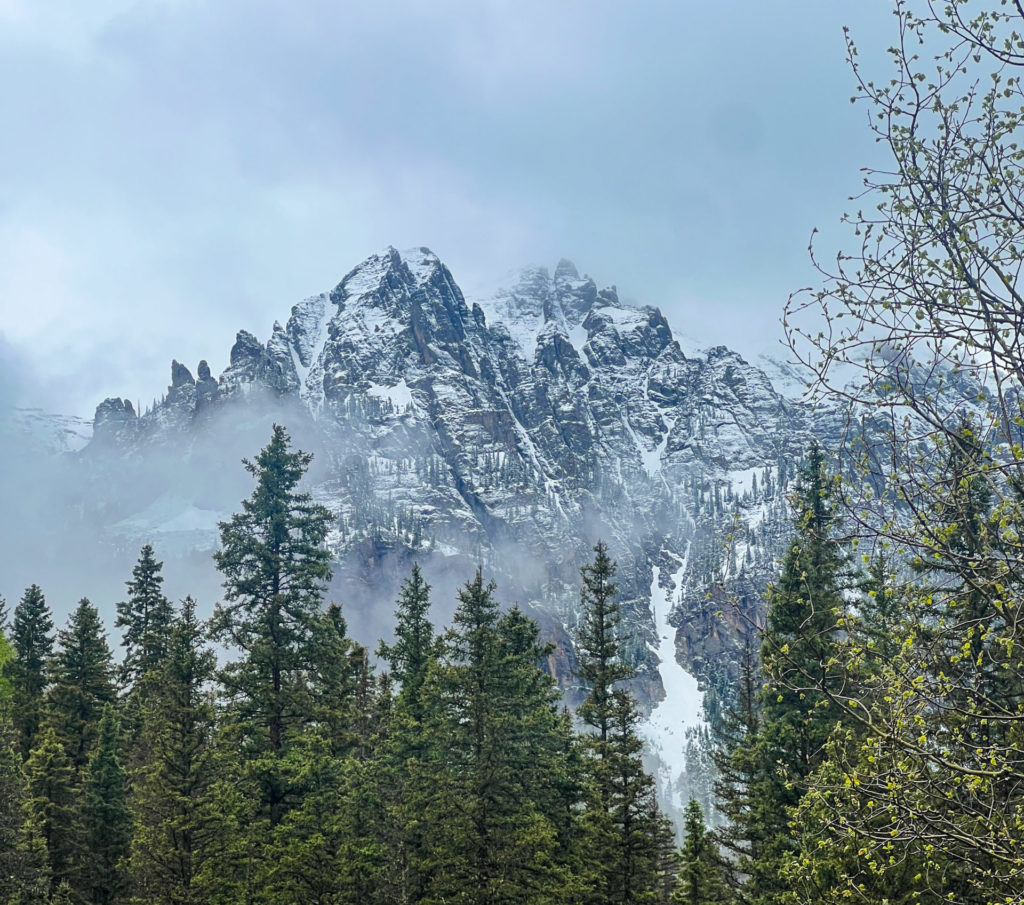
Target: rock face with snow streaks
x,y
512,431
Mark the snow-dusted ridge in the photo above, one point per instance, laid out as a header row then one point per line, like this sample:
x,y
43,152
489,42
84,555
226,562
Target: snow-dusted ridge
x,y
511,429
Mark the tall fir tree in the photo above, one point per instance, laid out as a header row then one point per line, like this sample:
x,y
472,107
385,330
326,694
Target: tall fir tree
x,y
498,750
146,616
53,809
598,644
171,802
106,822
27,671
741,773
701,874
404,761
275,569
415,646
83,682
624,828
777,750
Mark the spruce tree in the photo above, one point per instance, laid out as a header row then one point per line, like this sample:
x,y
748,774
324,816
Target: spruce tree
x,y
171,784
931,665
146,617
415,645
624,827
105,818
337,682
32,638
498,752
24,869
701,879
598,643
800,656
82,682
339,822
741,773
407,777
275,569
32,880
62,895
12,795
632,869
6,687
797,711
331,846
52,809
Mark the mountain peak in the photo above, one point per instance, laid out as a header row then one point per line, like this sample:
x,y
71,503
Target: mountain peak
x,y
388,268
566,270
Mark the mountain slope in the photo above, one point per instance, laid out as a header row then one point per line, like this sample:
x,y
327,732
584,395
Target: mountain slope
x,y
549,411
512,431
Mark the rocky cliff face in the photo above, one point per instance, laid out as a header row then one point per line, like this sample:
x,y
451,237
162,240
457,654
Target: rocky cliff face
x,y
514,431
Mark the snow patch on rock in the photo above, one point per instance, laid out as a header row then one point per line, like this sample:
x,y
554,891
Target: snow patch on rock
x,y
578,337
400,394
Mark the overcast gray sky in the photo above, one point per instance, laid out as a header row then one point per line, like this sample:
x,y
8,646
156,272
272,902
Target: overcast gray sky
x,y
171,172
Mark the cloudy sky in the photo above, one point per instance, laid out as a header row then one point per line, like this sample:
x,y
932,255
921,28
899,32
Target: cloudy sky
x,y
174,170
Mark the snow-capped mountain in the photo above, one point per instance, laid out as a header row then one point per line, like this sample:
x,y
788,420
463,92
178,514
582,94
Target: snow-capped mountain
x,y
514,431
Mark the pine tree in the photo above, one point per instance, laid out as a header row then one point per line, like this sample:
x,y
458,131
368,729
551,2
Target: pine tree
x,y
407,780
497,748
106,821
32,638
701,873
12,795
275,568
171,799
598,644
778,749
52,812
82,682
624,828
415,646
741,773
337,680
146,618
